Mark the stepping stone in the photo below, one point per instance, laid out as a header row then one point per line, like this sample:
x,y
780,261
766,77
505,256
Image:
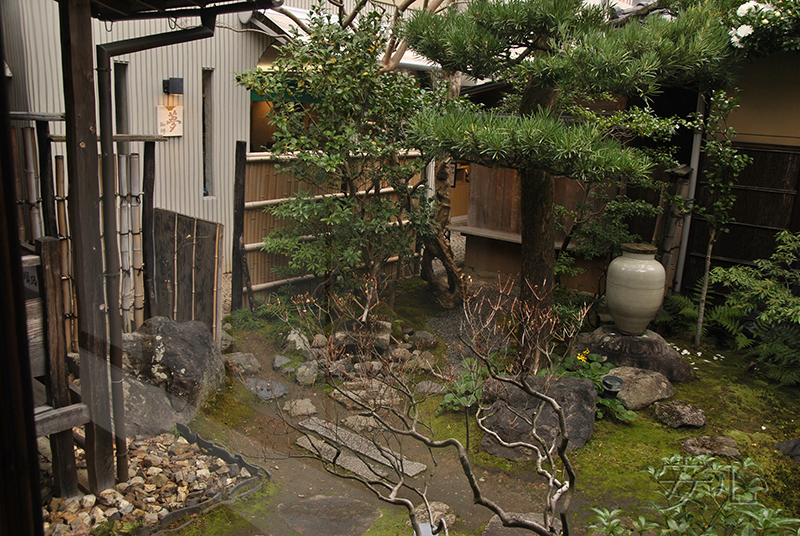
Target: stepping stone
x,y
363,446
346,461
267,390
329,516
300,408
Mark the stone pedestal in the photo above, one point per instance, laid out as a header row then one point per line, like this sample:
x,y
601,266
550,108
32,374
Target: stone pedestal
x,y
647,351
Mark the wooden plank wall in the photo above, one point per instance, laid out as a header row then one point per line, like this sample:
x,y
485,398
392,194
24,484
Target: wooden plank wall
x,y
767,201
188,269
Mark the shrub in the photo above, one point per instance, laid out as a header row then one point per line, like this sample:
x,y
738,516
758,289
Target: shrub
x,y
705,496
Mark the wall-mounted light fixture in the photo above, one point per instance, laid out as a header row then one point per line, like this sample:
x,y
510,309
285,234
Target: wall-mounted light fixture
x,y
173,86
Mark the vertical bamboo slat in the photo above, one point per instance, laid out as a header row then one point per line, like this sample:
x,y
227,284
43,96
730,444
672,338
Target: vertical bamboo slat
x,y
126,299
66,255
32,183
136,231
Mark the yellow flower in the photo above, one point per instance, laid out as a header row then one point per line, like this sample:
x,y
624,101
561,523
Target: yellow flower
x,y
583,355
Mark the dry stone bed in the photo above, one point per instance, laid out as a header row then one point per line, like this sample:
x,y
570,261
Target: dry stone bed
x,y
167,474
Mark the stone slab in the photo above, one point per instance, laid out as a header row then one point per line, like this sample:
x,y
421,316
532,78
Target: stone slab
x,y
362,446
346,461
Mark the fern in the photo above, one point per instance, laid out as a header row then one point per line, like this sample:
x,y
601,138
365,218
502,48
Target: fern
x,y
778,351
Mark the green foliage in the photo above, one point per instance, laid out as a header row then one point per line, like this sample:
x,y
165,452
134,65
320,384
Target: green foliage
x,y
342,121
467,390
244,320
704,496
778,350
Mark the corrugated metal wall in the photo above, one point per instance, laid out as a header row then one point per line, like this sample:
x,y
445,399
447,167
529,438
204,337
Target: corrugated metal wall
x,y
34,56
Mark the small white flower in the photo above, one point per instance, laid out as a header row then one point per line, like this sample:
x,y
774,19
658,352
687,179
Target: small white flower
x,y
763,427
699,354
745,8
685,352
715,358
744,30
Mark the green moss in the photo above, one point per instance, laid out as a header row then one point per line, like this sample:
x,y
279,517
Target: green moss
x,y
233,405
391,523
415,304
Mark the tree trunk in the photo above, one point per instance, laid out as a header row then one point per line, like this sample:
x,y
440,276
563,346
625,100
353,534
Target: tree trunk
x,y
538,260
701,308
438,247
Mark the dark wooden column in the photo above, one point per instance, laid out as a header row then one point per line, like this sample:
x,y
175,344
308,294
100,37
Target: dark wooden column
x,y
84,218
20,511
237,275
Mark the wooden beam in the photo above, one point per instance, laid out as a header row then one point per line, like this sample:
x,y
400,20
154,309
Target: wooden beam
x,y
84,215
121,138
32,116
148,189
62,420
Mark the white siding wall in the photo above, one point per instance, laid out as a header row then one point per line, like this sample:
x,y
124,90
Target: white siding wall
x,y
34,55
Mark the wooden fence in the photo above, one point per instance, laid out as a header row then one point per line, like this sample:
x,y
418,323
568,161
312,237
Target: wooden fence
x,y
259,185
767,201
187,274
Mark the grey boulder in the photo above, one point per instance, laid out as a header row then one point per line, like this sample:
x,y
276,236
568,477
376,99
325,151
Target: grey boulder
x,y
642,387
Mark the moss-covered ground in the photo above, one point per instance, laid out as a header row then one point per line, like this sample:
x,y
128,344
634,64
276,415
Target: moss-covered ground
x,y
610,469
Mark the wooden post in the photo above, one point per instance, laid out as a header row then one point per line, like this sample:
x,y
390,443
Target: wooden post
x,y
238,225
20,513
246,274
46,178
84,200
148,185
62,445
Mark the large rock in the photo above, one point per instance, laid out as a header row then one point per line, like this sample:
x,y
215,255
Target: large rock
x,y
642,387
679,413
577,397
150,410
712,445
648,351
790,448
179,357
306,374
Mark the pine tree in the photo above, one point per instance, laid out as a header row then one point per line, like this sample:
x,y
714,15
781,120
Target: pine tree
x,y
555,52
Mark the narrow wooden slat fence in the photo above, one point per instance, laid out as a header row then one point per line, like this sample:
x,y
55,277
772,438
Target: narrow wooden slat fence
x,y
265,185
188,269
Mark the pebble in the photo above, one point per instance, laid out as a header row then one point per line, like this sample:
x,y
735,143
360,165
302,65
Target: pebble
x,y
166,474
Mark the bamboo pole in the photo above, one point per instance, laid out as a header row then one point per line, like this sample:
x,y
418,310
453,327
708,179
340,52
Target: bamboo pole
x,y
66,254
124,241
31,181
136,231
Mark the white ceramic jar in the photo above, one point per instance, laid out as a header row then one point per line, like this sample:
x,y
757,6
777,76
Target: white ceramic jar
x,y
635,288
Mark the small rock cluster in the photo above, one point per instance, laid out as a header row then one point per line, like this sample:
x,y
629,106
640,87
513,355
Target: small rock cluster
x,y
343,356
167,473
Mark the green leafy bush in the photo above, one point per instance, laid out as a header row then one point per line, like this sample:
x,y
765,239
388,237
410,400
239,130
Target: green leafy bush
x,y
467,390
704,496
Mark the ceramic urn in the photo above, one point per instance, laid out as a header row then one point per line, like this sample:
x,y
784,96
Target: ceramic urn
x,y
635,288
